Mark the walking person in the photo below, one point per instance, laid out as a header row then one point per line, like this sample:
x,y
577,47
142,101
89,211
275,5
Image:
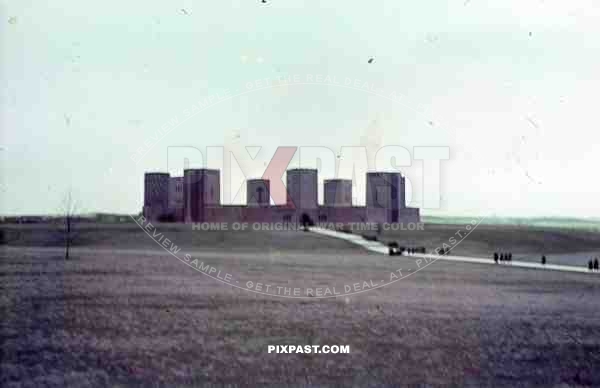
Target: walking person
x,y
596,264
543,260
496,257
590,265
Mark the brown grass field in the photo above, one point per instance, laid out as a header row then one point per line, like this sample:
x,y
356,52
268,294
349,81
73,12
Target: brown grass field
x,y
123,312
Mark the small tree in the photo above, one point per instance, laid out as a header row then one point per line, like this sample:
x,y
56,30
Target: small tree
x,y
69,207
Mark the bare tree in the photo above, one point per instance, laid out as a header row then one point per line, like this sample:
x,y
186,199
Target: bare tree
x,y
68,210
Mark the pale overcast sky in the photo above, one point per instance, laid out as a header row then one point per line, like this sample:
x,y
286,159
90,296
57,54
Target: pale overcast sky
x,y
510,86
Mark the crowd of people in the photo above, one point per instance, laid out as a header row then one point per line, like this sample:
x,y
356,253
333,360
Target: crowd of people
x,y
499,257
394,249
502,257
593,265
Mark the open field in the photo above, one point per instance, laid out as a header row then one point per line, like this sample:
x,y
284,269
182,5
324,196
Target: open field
x,y
567,246
125,312
130,235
